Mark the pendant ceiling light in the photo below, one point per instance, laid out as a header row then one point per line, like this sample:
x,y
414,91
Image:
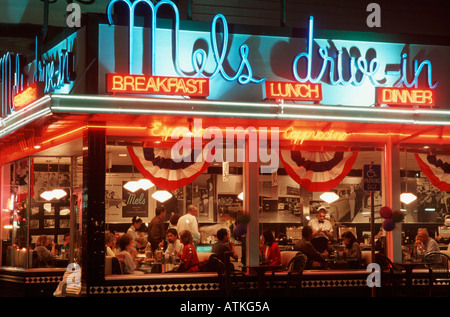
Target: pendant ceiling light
x,y
55,193
407,197
134,186
162,195
329,197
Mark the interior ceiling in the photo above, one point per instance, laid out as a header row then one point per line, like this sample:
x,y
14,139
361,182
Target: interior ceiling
x,y
73,148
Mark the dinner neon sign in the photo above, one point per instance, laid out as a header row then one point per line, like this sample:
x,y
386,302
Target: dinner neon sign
x,y
405,96
157,85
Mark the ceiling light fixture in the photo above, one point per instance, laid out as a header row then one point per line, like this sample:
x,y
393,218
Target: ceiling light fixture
x,y
162,195
407,197
134,186
329,197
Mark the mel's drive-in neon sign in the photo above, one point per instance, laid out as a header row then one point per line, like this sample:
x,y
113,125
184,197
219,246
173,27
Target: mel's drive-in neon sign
x,y
307,85
336,68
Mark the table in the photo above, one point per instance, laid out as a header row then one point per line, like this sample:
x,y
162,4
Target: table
x,y
409,265
59,261
157,267
340,263
261,271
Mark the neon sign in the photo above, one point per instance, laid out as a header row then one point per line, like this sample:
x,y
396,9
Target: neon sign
x,y
359,69
53,76
28,95
244,73
405,96
293,91
144,84
299,136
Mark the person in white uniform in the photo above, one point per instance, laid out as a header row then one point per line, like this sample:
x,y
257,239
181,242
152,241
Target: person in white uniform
x,y
189,222
322,230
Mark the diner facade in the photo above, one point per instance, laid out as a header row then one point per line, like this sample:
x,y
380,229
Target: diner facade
x,y
250,128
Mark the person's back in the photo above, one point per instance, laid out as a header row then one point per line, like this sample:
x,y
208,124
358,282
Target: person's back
x,y
189,222
44,255
156,230
307,248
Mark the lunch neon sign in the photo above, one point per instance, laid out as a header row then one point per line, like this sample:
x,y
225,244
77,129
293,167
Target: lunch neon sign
x,y
157,85
405,96
293,91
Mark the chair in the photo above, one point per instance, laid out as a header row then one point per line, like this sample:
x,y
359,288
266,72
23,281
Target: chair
x,y
35,262
295,270
116,266
392,275
216,265
438,264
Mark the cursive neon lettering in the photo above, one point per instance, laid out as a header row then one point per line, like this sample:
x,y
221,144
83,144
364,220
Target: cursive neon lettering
x,y
244,73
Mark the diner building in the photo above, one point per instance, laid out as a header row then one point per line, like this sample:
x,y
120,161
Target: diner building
x,y
250,125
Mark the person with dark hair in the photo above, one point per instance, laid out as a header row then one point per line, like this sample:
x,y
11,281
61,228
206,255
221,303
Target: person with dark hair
x,y
174,246
307,248
156,230
189,259
224,245
126,244
352,249
136,223
269,249
173,221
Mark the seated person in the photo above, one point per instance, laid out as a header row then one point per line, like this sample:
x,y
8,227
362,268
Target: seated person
x,y
269,249
189,259
352,249
140,245
126,244
307,248
45,250
224,245
174,246
424,243
322,231
110,243
66,244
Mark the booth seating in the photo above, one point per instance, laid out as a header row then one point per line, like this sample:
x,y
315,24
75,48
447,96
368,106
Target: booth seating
x,y
366,257
286,257
108,265
203,256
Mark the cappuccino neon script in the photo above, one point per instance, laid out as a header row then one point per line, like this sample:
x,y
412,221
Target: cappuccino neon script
x,y
360,65
244,73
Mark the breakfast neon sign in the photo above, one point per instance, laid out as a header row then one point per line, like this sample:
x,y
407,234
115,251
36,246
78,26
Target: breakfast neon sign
x,y
157,85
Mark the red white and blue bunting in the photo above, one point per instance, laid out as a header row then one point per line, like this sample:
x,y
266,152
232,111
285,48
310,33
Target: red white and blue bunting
x,y
436,168
317,171
157,165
